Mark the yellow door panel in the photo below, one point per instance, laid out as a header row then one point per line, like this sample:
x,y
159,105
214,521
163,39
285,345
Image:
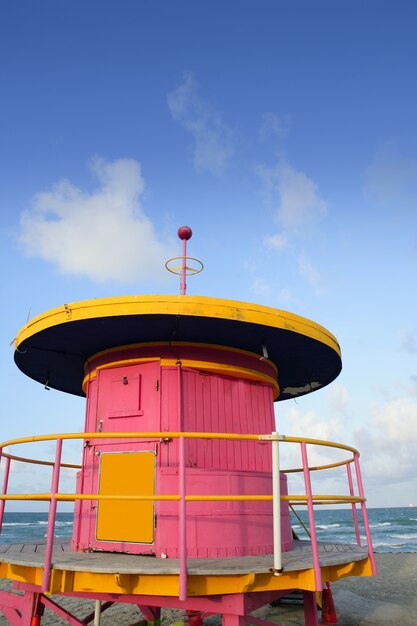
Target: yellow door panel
x,y
127,473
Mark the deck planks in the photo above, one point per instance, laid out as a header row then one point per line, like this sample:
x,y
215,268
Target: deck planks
x,y
32,554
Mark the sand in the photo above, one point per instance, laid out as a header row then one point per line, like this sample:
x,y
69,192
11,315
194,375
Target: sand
x,y
386,600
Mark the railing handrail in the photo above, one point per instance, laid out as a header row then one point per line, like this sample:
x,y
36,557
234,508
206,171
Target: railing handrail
x,y
177,435
187,435
23,459
293,498
308,499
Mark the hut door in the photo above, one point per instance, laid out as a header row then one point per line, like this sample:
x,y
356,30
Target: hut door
x,y
128,401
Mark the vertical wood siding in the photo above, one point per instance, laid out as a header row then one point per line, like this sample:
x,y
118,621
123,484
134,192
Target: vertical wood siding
x,y
214,403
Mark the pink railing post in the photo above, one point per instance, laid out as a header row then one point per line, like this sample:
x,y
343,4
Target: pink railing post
x,y
354,511
4,490
365,514
46,578
309,494
182,522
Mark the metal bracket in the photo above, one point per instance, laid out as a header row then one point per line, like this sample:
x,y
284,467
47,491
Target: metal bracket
x,y
276,572
68,311
274,437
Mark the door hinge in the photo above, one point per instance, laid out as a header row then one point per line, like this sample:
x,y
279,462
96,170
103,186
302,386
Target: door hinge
x,y
157,385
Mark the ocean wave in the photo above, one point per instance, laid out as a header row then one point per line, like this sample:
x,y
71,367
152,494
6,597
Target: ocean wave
x,y
380,524
57,523
327,526
405,536
37,523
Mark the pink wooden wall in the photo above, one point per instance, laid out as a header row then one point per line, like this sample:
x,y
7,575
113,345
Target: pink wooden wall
x,y
126,393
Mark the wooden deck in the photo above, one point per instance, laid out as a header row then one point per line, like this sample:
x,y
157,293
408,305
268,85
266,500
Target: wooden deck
x,y
32,554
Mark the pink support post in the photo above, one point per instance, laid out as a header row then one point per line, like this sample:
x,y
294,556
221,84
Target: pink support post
x,y
230,619
310,608
46,578
182,522
365,514
150,613
314,547
4,490
12,615
61,612
354,511
17,608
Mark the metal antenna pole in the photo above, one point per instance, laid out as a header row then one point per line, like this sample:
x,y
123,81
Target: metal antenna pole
x,y
184,233
188,265
184,268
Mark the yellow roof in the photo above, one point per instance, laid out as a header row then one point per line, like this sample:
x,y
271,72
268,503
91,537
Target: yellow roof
x,y
53,347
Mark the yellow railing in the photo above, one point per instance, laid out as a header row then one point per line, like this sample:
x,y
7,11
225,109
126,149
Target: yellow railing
x,y
274,439
292,499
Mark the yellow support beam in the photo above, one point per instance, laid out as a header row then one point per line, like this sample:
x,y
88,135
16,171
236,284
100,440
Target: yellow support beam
x,y
66,581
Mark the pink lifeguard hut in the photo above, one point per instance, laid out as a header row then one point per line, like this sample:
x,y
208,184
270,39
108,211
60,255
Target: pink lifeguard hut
x,y
180,365
176,460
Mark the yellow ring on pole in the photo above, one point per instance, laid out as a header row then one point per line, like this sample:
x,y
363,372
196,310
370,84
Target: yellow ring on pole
x,y
189,271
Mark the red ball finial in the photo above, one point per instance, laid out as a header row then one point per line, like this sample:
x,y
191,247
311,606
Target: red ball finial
x,y
185,232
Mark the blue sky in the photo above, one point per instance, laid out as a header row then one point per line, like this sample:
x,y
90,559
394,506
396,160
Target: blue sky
x,y
283,133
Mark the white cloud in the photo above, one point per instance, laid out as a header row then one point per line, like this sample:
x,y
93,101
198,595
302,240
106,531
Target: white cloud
x,y
325,425
391,180
295,196
272,125
104,235
317,426
397,421
298,206
338,399
311,274
285,296
412,388
261,288
214,145
389,445
296,423
277,241
39,482
408,341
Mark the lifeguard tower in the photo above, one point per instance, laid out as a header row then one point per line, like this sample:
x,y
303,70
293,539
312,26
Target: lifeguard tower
x,y
179,499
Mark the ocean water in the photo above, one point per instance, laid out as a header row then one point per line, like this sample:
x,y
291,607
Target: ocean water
x,y
392,529
21,527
